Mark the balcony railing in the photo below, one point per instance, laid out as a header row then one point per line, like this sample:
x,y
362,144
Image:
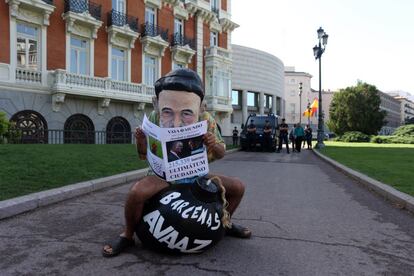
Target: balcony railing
x,y
50,2
96,86
28,76
81,6
121,19
217,51
149,29
181,40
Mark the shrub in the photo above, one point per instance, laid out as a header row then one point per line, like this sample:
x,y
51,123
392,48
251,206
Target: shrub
x,y
354,136
4,126
394,139
14,134
378,139
407,130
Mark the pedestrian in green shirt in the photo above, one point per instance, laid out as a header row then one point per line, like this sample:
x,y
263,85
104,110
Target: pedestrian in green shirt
x,y
299,134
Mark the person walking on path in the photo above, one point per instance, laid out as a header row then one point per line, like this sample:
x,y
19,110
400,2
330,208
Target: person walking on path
x,y
299,134
292,137
283,136
308,136
235,137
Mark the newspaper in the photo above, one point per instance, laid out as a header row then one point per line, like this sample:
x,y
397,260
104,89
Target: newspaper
x,y
176,153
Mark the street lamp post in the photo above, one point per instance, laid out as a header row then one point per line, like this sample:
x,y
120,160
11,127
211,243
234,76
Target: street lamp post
x,y
318,50
300,103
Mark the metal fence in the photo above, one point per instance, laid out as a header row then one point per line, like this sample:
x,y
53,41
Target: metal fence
x,y
59,136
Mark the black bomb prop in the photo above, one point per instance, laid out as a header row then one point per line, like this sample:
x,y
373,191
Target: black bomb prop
x,y
183,218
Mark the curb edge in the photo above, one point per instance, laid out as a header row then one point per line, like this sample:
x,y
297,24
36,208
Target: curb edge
x,y
404,200
22,204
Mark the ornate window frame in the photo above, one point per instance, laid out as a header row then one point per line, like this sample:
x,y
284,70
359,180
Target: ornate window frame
x,y
125,40
157,67
35,12
82,25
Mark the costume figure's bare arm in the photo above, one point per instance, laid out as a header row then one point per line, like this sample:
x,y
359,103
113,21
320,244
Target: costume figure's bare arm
x,y
141,142
217,149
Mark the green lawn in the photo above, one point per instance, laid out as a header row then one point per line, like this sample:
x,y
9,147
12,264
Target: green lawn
x,y
26,169
392,164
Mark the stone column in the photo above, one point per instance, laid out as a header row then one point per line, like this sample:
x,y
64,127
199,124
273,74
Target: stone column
x,y
244,106
274,104
261,103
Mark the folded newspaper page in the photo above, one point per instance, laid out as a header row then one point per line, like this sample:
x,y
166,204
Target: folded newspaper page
x,y
176,153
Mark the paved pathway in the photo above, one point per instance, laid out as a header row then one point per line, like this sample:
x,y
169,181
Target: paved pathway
x,y
307,219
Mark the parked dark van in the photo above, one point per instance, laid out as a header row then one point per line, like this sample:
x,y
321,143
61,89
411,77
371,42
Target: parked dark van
x,y
259,121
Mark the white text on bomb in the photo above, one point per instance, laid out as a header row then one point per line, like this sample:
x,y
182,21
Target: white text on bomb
x,y
202,215
169,235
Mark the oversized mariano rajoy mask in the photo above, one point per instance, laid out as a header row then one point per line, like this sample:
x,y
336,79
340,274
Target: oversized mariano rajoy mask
x,y
179,96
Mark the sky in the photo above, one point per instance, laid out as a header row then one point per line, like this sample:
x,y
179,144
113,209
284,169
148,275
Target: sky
x,y
369,40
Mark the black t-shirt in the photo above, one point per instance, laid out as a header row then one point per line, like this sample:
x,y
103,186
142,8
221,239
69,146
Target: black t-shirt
x,y
285,131
235,132
250,127
267,128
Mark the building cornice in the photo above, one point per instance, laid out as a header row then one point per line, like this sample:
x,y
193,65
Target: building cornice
x,y
122,36
182,54
154,45
77,22
28,9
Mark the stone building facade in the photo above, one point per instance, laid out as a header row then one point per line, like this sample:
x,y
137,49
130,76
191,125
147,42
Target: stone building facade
x,y
258,84
82,67
407,109
393,117
295,104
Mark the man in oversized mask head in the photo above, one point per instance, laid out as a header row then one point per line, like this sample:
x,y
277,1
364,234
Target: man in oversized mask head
x,y
179,98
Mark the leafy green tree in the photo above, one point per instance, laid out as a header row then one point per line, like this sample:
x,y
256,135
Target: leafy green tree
x,y
356,108
4,125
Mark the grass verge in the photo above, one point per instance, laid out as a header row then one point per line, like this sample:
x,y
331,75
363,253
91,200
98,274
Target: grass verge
x,y
26,169
392,164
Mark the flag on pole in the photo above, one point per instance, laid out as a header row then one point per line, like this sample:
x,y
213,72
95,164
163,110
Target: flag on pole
x,y
314,106
309,112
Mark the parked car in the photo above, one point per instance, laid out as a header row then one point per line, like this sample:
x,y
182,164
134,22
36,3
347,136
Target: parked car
x,y
259,121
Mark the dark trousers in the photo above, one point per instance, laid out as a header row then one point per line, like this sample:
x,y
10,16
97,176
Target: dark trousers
x,y
267,142
309,141
283,138
251,141
235,140
298,142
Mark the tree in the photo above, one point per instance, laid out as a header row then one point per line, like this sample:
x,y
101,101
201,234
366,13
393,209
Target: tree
x,y
4,126
356,108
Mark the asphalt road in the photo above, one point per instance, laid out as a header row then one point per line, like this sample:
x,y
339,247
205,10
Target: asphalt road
x,y
307,219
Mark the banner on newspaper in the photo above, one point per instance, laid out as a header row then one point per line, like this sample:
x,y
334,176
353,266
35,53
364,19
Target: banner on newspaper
x,y
176,153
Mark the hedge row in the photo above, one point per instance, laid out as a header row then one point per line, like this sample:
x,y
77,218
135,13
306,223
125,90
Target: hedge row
x,y
402,135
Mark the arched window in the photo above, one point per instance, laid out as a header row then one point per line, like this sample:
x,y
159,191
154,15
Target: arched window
x,y
32,125
79,129
118,131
